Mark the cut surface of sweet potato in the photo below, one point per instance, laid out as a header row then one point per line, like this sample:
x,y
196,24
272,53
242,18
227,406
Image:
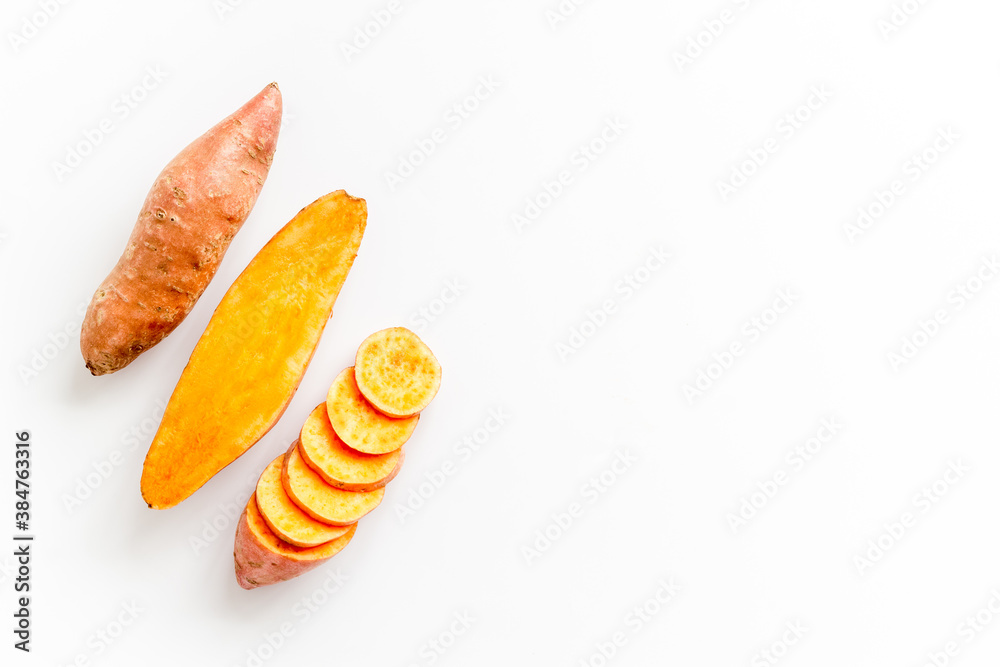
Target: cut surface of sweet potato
x,y
360,426
340,466
320,500
262,558
285,518
396,372
247,365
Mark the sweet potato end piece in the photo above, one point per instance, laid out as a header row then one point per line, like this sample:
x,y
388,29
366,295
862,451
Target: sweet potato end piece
x,y
261,558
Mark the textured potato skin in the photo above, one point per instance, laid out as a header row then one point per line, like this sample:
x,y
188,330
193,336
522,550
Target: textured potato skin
x,y
262,559
194,208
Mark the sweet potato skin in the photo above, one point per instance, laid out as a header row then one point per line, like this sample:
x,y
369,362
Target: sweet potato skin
x,y
248,364
262,559
194,208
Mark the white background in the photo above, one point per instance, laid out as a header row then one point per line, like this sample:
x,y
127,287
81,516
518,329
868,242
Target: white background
x,y
687,126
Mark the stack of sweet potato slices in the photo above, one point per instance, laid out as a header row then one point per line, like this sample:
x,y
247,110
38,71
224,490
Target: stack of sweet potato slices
x,y
309,499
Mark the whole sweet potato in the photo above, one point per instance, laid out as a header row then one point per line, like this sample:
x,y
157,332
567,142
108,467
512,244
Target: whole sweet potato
x,y
197,204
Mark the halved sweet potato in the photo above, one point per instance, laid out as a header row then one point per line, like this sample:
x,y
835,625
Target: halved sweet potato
x,y
284,517
358,424
262,558
320,500
248,363
340,466
396,372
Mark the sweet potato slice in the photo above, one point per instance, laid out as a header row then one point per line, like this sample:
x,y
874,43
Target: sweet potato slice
x,y
396,372
284,517
340,466
194,209
262,558
320,500
358,424
248,363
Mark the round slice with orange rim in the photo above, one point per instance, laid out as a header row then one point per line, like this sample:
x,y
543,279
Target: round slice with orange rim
x,y
321,501
285,518
396,372
359,425
339,465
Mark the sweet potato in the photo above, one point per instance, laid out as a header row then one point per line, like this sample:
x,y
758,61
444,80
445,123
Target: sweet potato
x,y
320,500
262,558
249,362
396,372
340,466
284,517
195,207
360,426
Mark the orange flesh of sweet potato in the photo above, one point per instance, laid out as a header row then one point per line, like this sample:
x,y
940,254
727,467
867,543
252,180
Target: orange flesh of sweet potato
x,y
195,207
262,558
360,426
396,372
320,500
284,517
249,362
340,466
